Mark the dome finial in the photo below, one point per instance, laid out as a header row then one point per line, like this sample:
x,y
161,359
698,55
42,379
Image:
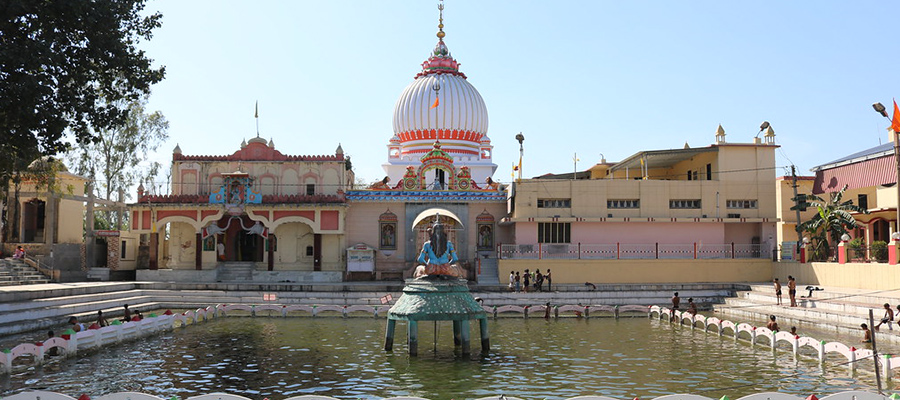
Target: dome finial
x,y
440,33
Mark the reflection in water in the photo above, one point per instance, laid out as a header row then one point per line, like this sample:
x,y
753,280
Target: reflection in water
x,y
531,359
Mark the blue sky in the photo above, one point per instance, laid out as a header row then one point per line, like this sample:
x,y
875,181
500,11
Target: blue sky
x,y
592,77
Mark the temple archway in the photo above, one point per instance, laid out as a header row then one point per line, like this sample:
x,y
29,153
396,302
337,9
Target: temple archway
x,y
452,226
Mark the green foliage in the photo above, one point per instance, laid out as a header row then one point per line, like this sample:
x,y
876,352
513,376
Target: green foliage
x,y
857,246
113,162
879,250
832,220
65,68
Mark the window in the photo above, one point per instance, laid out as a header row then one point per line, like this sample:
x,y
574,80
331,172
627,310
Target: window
x,y
623,203
554,232
310,189
709,172
690,175
309,251
554,203
683,204
731,215
863,201
745,204
123,247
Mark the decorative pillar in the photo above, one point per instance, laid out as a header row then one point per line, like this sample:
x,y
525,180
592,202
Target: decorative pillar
x,y
270,250
457,338
485,336
389,335
198,253
154,251
465,336
892,249
413,335
842,249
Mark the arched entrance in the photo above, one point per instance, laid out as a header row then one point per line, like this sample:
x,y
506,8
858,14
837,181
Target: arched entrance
x,y
452,226
33,218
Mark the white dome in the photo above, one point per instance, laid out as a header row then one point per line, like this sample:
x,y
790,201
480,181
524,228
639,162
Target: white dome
x,y
459,121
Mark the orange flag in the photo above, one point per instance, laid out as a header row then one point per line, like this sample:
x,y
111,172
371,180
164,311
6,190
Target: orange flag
x,y
436,103
895,122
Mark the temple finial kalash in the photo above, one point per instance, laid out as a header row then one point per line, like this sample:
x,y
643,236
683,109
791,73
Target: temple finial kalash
x,y
437,293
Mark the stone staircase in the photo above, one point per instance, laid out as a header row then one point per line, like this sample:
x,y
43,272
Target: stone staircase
x,y
829,310
235,271
15,271
489,272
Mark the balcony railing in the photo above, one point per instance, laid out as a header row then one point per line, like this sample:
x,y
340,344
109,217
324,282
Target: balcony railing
x,y
632,251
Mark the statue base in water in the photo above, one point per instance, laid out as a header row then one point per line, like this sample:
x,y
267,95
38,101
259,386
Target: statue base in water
x,y
437,298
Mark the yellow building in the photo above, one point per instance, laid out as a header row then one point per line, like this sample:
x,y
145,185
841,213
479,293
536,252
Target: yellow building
x,y
46,213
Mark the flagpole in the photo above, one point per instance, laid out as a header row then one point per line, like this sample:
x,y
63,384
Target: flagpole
x,y
256,115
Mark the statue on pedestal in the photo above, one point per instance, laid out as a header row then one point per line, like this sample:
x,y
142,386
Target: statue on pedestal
x,y
438,258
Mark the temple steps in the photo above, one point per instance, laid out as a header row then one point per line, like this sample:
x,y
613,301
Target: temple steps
x,y
489,272
34,307
835,310
17,272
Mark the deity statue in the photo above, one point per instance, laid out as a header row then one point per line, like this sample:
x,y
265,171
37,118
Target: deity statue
x,y
438,258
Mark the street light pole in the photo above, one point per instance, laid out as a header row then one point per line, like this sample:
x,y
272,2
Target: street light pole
x,y
881,110
521,138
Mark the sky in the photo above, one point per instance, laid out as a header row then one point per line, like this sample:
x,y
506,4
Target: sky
x,y
592,78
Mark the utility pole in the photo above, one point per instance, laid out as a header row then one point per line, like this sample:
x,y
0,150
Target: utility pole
x,y
796,204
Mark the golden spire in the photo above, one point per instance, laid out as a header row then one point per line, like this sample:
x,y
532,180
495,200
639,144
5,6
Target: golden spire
x,y
440,33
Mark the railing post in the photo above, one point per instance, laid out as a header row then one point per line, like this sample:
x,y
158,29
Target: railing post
x,y
657,250
695,250
579,250
618,256
732,250
540,251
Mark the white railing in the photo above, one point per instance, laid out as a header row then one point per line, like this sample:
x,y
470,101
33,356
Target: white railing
x,y
632,251
757,334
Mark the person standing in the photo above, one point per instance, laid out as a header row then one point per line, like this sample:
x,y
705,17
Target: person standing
x,y
512,281
792,290
539,280
888,317
220,250
126,315
518,282
527,280
676,301
777,292
692,308
550,283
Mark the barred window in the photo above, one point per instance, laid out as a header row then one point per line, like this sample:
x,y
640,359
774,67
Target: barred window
x,y
623,203
554,203
740,204
554,232
684,204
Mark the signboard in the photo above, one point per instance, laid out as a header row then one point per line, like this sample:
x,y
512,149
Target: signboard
x,y
104,233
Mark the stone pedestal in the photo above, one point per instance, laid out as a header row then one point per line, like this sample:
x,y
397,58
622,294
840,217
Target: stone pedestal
x,y
435,299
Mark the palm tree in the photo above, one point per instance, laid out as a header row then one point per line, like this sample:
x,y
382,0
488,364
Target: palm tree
x,y
831,222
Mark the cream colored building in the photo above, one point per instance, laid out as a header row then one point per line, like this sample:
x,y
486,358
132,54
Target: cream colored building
x,y
714,202
280,216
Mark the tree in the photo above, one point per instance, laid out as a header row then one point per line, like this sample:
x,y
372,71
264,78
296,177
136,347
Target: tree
x,y
69,67
832,221
113,161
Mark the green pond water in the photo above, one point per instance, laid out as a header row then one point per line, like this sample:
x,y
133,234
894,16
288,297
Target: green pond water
x,y
529,358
